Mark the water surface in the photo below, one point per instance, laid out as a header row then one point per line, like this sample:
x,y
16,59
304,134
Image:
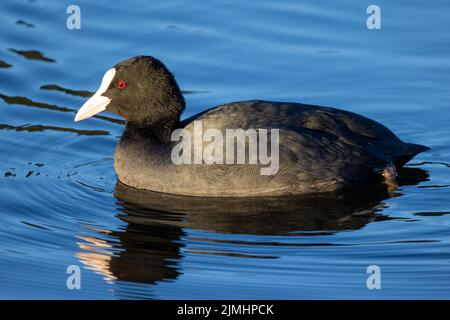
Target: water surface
x,y
61,205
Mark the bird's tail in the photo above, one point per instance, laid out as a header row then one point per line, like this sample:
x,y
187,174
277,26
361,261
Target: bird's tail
x,y
412,150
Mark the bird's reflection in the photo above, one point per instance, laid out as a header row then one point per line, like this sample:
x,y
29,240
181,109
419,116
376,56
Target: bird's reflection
x,y
148,248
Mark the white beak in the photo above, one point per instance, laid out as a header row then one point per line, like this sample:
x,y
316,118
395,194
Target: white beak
x,y
97,103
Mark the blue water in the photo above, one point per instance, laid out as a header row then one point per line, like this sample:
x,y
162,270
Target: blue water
x,y
60,205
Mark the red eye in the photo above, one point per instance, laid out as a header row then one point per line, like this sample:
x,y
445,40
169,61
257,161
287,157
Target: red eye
x,y
121,84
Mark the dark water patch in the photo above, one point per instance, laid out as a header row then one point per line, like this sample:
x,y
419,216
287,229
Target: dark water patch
x,y
271,244
42,128
415,241
25,24
193,91
97,189
431,214
230,254
35,225
445,164
4,64
9,174
434,186
24,101
80,93
32,55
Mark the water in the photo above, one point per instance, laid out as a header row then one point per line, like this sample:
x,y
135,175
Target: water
x,y
60,203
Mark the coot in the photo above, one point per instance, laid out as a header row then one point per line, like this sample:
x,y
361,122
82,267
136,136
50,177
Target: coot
x,y
313,149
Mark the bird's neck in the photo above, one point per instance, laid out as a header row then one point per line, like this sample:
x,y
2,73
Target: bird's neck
x,y
152,132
